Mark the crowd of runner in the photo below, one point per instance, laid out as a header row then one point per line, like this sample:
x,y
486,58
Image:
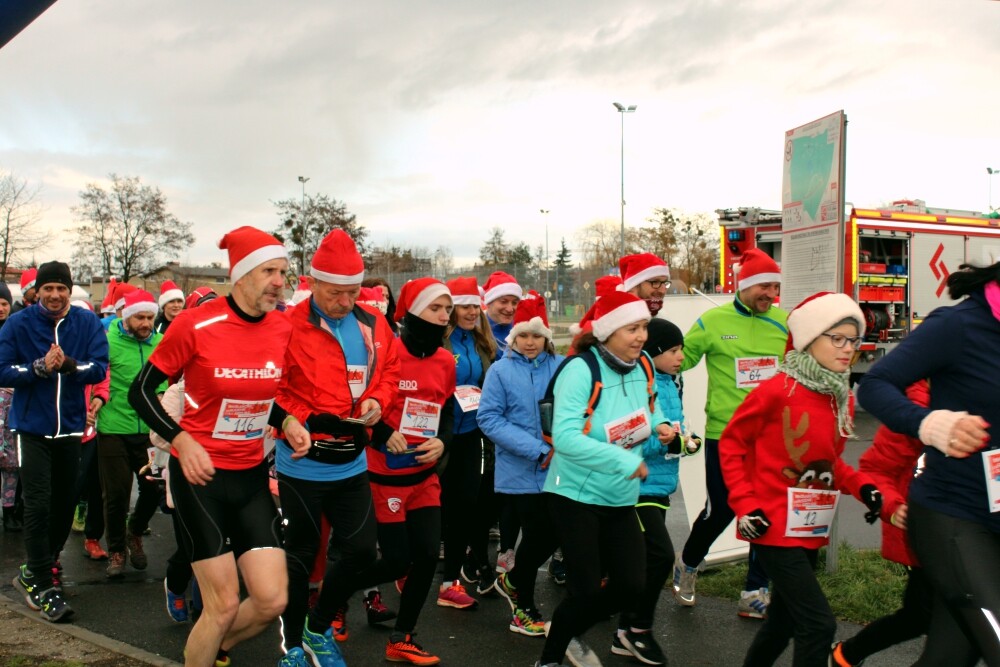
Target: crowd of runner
x,y
313,450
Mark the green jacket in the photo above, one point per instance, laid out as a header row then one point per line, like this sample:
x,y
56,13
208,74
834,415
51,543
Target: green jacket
x,y
728,336
127,356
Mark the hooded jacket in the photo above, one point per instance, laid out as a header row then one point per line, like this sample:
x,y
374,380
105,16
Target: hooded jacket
x,y
52,406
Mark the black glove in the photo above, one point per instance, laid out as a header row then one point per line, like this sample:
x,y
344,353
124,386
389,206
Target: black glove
x,y
872,498
753,525
674,446
332,425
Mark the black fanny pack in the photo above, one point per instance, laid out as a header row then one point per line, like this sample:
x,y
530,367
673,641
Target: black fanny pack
x,y
338,450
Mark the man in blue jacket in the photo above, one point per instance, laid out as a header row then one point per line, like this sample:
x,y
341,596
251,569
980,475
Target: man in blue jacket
x,y
48,353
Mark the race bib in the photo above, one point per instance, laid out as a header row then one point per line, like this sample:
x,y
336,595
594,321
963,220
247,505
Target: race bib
x,y
357,379
241,420
991,466
420,418
631,430
751,371
810,512
468,396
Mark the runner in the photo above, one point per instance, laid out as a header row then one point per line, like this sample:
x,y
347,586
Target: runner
x,y
231,354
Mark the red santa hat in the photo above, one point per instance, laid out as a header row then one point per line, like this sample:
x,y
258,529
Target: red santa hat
x,y
605,285
373,296
616,311
121,289
139,301
248,248
756,267
337,260
417,295
530,317
635,269
465,291
108,305
82,303
199,296
302,291
169,291
818,313
28,279
501,284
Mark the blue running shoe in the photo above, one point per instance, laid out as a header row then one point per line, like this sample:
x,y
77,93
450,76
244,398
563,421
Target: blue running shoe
x,y
322,648
177,605
294,658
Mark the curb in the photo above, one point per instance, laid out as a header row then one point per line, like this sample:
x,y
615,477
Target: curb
x,y
106,643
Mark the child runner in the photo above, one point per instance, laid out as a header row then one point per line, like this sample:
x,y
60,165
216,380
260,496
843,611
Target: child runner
x,y
780,457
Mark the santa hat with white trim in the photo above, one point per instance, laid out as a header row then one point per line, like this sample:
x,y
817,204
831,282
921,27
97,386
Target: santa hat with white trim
x,y
121,290
28,279
169,291
530,317
465,291
248,248
302,292
603,286
139,301
818,313
501,284
756,267
417,295
636,269
108,305
337,260
616,311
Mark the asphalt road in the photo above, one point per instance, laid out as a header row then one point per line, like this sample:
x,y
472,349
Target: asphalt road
x,y
132,610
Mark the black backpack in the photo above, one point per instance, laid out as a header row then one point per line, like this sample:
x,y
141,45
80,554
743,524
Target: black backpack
x,y
547,404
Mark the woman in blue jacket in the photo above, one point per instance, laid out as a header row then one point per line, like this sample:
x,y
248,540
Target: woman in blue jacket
x,y
508,415
954,505
597,465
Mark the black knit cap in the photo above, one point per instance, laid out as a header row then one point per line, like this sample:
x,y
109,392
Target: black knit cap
x,y
663,335
54,272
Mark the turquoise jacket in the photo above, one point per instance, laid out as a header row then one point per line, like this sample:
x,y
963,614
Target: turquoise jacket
x,y
663,468
586,467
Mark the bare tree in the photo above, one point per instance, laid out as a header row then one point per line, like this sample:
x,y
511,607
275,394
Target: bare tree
x,y
20,212
126,229
302,229
495,250
444,262
601,244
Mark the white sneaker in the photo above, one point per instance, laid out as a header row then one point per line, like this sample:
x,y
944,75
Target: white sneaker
x,y
505,561
579,654
753,604
685,579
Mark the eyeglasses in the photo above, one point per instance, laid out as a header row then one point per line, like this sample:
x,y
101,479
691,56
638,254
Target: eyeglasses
x,y
840,340
657,284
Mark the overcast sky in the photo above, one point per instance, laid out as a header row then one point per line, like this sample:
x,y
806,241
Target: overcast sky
x,y
436,121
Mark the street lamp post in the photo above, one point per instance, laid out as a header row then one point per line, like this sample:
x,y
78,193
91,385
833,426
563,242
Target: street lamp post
x,y
545,213
302,221
990,171
622,109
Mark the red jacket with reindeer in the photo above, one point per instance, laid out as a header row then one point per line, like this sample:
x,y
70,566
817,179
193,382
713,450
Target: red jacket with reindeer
x,y
782,436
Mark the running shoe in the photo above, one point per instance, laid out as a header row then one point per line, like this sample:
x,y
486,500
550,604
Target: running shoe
x,y
80,518
136,554
93,550
685,579
116,564
294,658
400,584
57,577
375,609
837,657
27,584
402,648
753,604
505,561
454,595
527,621
53,607
177,605
486,578
506,590
339,625
557,568
579,654
495,532
639,645
321,647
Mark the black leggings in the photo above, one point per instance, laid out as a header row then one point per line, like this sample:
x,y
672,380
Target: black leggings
x,y
652,514
714,518
798,610
595,540
88,490
347,505
408,548
460,487
961,560
537,543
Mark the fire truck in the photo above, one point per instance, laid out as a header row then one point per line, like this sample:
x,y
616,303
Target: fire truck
x,y
896,260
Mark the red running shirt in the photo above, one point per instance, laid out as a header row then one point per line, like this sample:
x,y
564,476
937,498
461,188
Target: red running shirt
x,y
231,371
